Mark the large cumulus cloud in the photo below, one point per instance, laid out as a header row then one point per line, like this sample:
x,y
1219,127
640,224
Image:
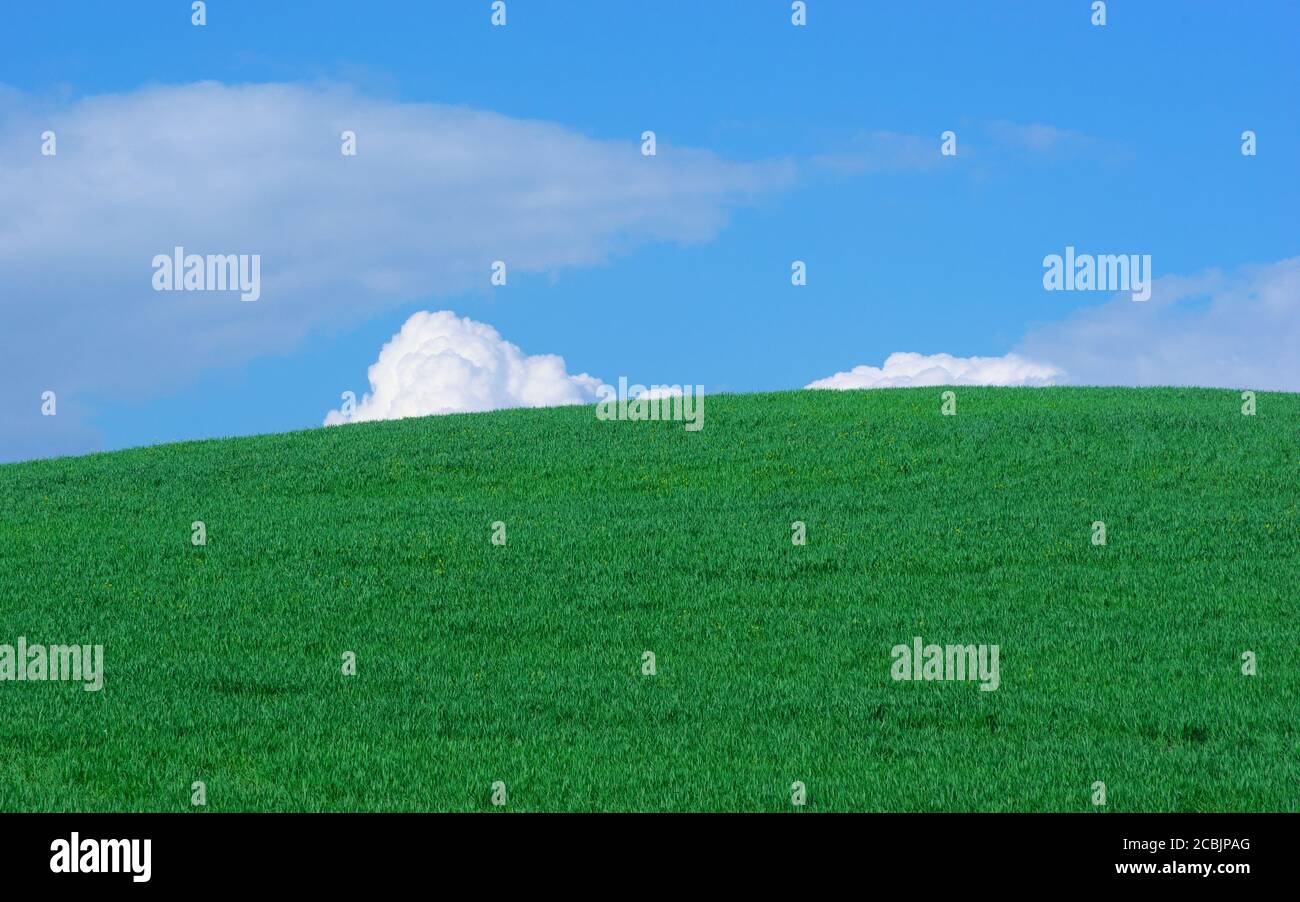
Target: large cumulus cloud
x,y
442,363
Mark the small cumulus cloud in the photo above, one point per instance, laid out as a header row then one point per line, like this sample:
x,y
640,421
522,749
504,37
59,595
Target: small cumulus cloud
x,y
904,369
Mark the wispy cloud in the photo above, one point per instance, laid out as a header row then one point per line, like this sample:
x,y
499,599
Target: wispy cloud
x,y
1050,141
1036,136
882,151
1237,329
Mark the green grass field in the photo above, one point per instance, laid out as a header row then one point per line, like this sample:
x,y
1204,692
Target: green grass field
x,y
523,663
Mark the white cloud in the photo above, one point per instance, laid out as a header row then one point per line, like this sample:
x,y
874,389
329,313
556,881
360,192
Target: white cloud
x,y
435,194
1238,329
1217,329
1036,135
883,151
442,363
905,369
655,392
1048,141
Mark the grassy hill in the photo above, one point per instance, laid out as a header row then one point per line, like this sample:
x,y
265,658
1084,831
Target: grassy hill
x,y
522,663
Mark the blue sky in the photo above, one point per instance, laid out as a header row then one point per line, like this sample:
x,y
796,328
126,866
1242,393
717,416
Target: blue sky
x,y
817,143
